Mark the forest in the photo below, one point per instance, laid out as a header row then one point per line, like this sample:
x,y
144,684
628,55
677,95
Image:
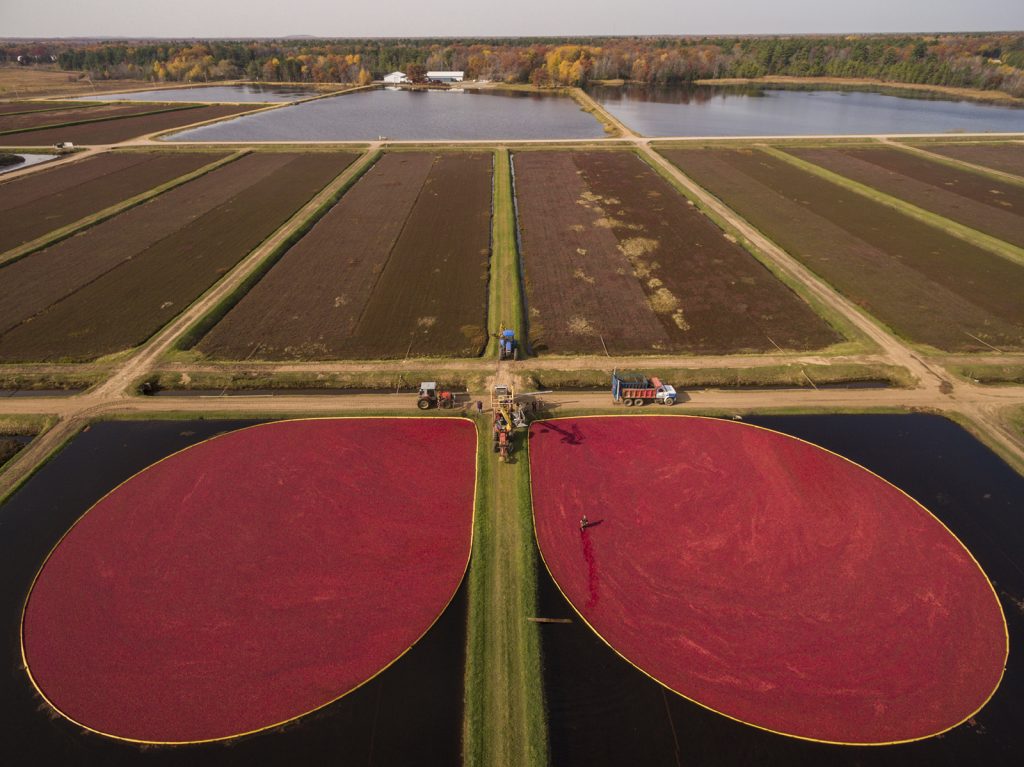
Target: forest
x,y
987,61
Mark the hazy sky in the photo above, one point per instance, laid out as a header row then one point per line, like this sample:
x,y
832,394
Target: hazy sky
x,y
390,18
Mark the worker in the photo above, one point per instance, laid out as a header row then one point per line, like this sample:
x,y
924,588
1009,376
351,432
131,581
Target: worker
x,y
584,522
479,407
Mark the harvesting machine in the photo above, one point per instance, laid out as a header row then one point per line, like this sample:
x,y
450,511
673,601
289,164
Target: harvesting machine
x,y
509,415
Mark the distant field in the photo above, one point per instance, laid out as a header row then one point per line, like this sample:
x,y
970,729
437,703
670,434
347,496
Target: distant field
x,y
30,107
50,199
34,120
30,82
972,199
114,131
614,258
928,286
115,284
1008,158
398,267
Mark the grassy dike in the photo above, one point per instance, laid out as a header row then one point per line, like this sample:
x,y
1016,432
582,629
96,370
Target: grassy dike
x,y
504,302
505,720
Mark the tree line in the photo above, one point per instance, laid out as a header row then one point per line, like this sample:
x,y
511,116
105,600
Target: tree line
x,y
987,61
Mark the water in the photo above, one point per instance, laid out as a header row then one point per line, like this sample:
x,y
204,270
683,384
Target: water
x,y
212,94
30,159
420,115
744,111
411,714
602,711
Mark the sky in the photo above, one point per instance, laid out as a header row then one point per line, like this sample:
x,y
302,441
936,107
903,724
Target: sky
x,y
421,18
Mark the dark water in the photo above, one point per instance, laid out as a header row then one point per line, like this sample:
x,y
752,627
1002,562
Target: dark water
x,y
602,711
403,114
410,714
212,94
29,160
745,111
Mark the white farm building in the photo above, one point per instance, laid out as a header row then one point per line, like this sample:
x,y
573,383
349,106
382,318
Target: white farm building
x,y
396,78
446,77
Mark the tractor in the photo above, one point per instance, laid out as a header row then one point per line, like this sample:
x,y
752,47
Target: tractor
x,y
508,346
430,397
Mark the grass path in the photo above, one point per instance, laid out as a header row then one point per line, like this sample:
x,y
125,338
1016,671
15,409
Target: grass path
x,y
504,712
504,302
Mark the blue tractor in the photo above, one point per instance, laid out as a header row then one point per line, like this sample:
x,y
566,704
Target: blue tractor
x,y
508,346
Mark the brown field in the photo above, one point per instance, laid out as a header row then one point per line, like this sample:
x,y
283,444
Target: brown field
x,y
977,201
1009,158
33,120
926,285
398,267
32,82
115,284
50,199
26,107
616,260
122,129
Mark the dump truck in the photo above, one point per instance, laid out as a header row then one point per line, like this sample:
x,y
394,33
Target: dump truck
x,y
637,389
430,396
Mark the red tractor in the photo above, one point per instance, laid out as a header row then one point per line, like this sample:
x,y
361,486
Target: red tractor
x,y
430,397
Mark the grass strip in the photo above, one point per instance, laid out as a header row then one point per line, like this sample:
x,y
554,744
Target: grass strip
x,y
505,721
795,375
505,300
990,375
965,233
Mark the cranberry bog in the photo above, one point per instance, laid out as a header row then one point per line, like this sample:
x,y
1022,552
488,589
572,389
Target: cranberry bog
x,y
397,268
616,260
1008,158
408,713
113,285
975,200
51,199
765,578
15,123
602,711
926,285
124,128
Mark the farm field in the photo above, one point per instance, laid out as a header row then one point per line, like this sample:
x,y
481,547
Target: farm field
x,y
50,199
33,120
398,267
926,285
981,202
24,107
765,578
124,128
616,260
1008,158
113,285
356,561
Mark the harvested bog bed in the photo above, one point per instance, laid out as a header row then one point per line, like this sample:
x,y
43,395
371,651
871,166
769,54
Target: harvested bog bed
x,y
1008,158
925,284
253,578
975,200
616,260
24,107
397,268
124,128
115,284
766,578
50,199
23,122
